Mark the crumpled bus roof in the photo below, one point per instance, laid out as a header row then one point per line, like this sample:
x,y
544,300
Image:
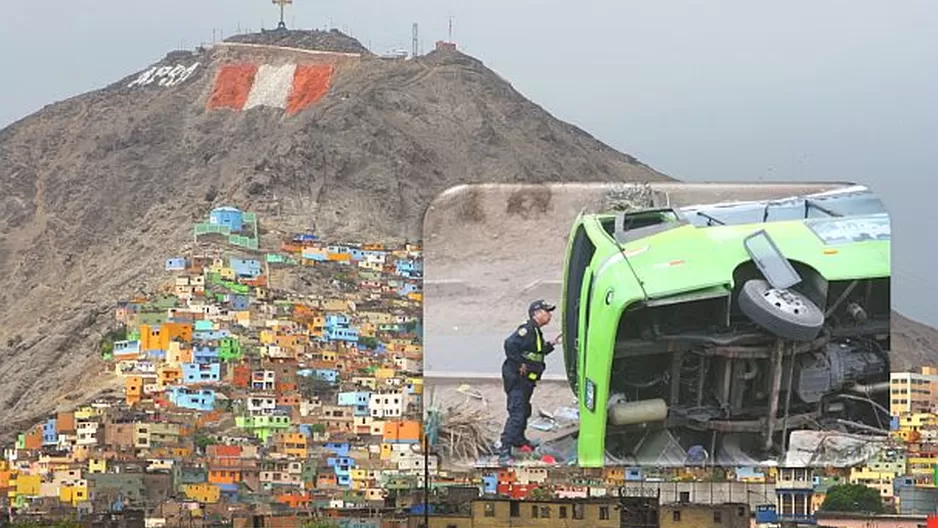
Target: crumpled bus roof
x,y
855,200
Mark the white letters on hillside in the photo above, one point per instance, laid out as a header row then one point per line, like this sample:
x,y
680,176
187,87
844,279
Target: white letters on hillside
x,y
165,75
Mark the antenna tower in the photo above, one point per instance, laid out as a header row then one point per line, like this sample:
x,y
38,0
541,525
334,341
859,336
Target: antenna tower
x,y
282,4
451,28
416,40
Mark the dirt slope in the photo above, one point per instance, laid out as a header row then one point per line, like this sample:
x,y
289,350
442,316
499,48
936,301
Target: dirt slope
x,y
97,190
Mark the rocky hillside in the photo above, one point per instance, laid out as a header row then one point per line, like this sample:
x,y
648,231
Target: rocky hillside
x,y
97,190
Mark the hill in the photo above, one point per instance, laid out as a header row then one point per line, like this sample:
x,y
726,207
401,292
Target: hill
x,y
305,127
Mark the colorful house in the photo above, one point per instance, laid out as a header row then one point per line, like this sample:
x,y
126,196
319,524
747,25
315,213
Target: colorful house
x,y
229,217
248,268
205,493
195,373
196,399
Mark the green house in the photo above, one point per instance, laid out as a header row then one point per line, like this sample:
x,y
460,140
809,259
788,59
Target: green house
x,y
229,349
263,427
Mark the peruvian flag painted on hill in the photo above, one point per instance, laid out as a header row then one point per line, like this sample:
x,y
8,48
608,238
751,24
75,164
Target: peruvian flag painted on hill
x,y
289,86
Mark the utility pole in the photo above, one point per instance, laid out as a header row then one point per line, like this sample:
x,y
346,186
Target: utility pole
x,y
282,4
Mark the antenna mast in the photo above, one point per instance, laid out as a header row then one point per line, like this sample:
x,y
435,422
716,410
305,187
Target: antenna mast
x,y
416,40
451,28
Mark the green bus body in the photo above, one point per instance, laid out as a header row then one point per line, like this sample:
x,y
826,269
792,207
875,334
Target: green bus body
x,y
679,262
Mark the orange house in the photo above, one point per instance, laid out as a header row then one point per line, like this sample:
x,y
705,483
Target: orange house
x,y
5,476
158,338
326,481
134,389
404,431
34,438
241,376
288,400
65,422
288,340
224,476
285,388
295,500
169,376
339,257
291,248
293,444
257,281
224,451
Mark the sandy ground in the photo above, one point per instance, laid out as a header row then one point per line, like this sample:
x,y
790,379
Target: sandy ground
x,y
492,249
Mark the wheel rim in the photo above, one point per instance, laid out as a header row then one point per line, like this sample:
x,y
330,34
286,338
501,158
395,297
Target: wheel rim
x,y
785,301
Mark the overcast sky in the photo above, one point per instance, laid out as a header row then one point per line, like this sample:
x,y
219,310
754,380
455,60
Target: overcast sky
x,y
732,90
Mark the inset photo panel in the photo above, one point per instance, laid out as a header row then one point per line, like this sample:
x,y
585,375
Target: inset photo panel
x,y
662,325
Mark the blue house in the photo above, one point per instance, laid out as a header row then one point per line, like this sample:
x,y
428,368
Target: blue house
x,y
408,268
357,254
342,466
204,354
230,217
203,325
210,335
311,254
198,399
337,321
240,302
340,449
123,348
634,474
249,268
490,484
358,400
229,492
50,434
201,373
176,264
407,288
305,238
330,375
342,334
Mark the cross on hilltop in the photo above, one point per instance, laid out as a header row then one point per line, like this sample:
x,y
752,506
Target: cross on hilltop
x,y
282,4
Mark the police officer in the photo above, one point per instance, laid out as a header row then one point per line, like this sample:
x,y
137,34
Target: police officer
x,y
524,365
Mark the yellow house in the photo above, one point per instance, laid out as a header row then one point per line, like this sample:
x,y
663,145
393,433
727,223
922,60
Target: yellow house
x,y
367,330
614,476
268,337
243,318
329,355
97,465
417,384
922,465
918,421
176,353
204,493
28,485
74,493
334,305
86,413
385,373
878,480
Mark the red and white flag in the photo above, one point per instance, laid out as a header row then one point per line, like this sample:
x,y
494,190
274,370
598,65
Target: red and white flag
x,y
291,87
